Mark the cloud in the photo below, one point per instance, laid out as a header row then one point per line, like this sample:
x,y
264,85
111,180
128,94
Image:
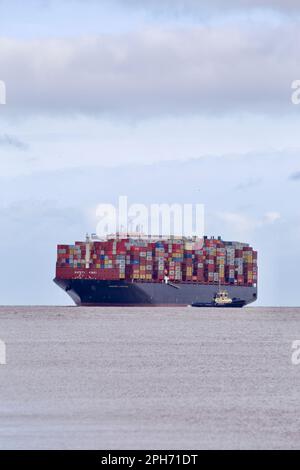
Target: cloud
x,y
36,216
154,72
243,224
12,141
248,184
271,217
176,6
295,176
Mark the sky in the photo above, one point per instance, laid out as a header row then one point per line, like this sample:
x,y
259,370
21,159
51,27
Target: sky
x,y
176,101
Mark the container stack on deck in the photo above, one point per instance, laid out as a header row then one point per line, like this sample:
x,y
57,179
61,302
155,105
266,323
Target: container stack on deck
x,y
207,261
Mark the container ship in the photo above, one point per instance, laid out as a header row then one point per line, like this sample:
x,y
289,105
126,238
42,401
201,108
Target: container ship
x,y
147,271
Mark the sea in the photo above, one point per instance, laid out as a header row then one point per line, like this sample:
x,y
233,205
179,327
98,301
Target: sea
x,y
149,378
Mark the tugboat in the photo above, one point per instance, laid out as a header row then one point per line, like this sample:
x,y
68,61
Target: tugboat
x,y
222,299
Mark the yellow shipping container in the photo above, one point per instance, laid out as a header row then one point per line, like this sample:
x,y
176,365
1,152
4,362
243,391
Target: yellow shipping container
x,y
188,246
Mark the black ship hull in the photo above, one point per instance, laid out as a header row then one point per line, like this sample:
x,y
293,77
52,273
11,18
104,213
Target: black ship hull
x,y
88,292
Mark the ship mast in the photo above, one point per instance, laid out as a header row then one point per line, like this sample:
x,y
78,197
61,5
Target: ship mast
x,y
87,251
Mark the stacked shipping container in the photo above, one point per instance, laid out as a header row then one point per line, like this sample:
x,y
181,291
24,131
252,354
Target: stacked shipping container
x,y
211,261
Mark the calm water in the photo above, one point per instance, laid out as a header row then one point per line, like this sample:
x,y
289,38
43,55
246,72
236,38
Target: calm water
x,y
149,378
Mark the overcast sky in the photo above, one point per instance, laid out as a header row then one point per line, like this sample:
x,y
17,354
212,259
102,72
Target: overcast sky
x,y
161,100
